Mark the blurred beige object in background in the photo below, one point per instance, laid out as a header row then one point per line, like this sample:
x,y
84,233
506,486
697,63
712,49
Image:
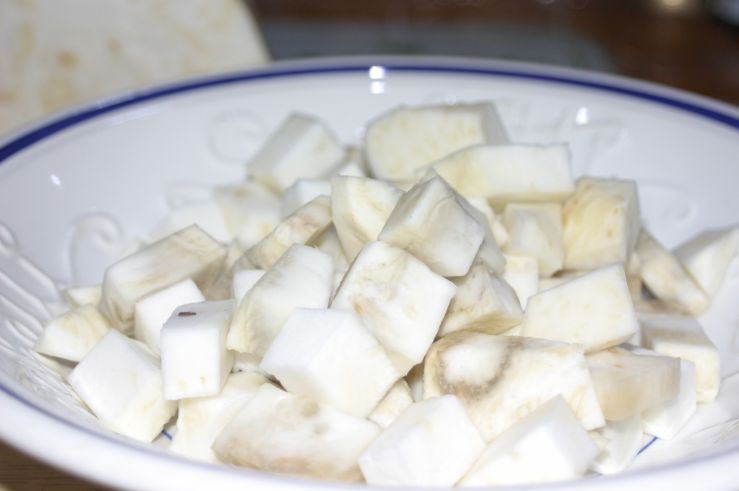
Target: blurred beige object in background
x,y
54,54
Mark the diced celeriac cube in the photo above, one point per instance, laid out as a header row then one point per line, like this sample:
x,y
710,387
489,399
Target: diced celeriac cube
x,y
195,361
73,334
328,355
122,384
501,379
360,207
536,230
250,210
302,277
206,215
152,311
400,300
301,147
189,253
522,273
684,337
201,419
600,223
432,443
408,138
665,420
707,257
628,384
78,296
397,400
594,310
304,225
430,223
514,172
243,281
666,278
548,445
301,192
280,432
483,302
621,442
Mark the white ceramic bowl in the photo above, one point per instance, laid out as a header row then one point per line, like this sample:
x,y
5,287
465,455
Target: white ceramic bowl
x,y
76,190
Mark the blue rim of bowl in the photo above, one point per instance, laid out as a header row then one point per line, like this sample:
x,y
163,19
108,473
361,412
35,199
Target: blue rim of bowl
x,y
506,70
570,79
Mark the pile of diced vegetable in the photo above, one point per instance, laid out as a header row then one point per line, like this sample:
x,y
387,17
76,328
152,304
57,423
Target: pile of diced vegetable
x,y
468,315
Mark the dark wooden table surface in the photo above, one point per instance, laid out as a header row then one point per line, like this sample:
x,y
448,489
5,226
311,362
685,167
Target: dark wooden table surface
x,y
673,42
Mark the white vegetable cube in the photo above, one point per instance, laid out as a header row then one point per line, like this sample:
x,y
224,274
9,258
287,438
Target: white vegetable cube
x,y
152,311
82,295
330,356
189,253
430,223
122,384
522,273
250,211
400,300
483,301
302,147
408,138
201,419
303,191
548,445
306,224
620,442
360,207
684,337
195,361
666,278
206,215
666,420
708,255
501,379
536,230
243,281
628,384
600,223
397,400
73,334
432,443
594,310
489,250
504,173
302,277
280,432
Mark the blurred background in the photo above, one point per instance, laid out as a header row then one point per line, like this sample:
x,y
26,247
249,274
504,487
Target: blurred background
x,y
55,54
690,44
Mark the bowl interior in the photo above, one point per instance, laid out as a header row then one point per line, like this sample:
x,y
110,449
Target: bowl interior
x,y
89,186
